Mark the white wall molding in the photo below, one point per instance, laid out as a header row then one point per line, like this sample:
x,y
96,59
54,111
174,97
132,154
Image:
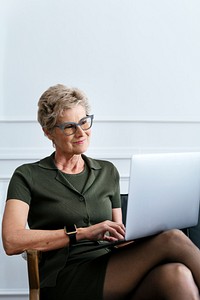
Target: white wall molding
x,y
15,292
120,153
17,120
144,119
114,119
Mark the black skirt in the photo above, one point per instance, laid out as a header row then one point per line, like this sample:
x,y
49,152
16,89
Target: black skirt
x,y
82,278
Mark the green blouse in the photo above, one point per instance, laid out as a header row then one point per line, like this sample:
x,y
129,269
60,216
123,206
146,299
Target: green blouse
x,y
55,202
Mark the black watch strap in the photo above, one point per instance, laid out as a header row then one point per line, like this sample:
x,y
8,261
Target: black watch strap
x,y
70,231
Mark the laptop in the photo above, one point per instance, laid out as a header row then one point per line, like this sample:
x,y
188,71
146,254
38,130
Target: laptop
x,y
164,193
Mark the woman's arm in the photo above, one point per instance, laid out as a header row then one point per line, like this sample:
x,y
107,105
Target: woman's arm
x,y
117,215
17,238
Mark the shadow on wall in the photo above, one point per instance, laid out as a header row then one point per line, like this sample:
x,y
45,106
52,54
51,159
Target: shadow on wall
x,y
194,233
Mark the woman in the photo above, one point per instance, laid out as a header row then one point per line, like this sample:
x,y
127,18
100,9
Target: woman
x,y
72,204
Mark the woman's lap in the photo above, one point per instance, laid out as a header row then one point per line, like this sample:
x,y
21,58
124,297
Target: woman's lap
x,y
83,280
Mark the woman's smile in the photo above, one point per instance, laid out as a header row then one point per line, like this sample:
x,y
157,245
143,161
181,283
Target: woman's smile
x,y
81,142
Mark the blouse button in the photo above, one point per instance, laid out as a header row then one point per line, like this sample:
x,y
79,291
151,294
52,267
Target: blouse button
x,y
81,199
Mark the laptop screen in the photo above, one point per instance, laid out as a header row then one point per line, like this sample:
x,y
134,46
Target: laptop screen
x,y
164,193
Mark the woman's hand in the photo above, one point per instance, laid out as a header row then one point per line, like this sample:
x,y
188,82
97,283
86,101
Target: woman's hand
x,y
107,231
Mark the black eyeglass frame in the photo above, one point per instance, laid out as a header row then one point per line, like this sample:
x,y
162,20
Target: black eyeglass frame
x,y
62,126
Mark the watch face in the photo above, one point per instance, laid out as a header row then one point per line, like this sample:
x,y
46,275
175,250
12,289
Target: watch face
x,y
71,232
71,229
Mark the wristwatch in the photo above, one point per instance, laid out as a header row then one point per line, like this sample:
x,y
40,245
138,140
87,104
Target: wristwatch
x,y
71,231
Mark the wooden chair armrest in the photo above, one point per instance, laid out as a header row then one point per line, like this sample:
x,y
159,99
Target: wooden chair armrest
x,y
33,273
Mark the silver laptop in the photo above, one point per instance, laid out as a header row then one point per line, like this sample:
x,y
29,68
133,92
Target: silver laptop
x,y
164,193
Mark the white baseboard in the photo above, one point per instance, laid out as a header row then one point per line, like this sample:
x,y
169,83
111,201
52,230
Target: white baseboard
x,y
14,294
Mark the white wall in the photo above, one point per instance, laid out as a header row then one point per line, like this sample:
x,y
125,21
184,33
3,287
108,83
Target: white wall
x,y
139,63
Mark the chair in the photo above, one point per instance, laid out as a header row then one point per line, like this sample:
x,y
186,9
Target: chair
x,y
33,257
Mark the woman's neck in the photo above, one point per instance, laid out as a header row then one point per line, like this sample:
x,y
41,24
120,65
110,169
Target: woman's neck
x,y
72,165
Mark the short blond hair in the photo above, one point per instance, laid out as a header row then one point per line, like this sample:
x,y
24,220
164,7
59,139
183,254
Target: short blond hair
x,y
55,100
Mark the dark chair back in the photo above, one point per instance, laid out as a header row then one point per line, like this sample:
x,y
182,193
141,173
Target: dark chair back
x,y
124,201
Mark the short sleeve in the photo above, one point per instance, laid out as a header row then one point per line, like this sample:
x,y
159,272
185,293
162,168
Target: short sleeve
x,y
20,185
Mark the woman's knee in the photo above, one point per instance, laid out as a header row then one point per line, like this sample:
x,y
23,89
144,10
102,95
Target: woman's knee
x,y
180,273
174,237
172,273
174,234
180,277
168,281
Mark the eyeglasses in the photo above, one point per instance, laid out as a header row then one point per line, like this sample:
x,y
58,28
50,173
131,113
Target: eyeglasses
x,y
70,128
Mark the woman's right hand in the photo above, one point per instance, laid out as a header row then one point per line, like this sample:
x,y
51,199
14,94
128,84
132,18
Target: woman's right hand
x,y
106,231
